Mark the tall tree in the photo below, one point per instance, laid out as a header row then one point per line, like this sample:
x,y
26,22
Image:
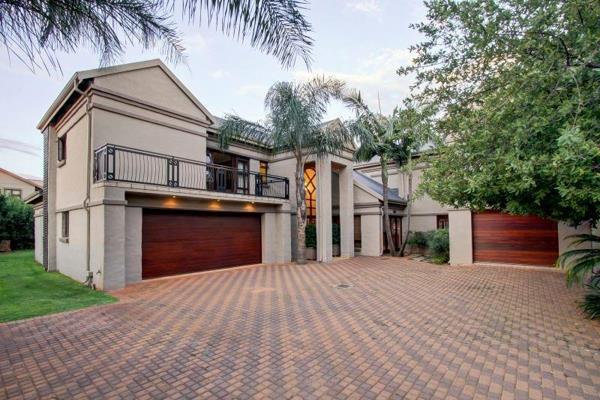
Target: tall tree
x,y
516,84
393,139
34,31
294,123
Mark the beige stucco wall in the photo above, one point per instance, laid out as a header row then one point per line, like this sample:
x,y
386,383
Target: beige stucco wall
x,y
71,178
10,182
38,231
109,127
151,85
71,254
133,244
461,239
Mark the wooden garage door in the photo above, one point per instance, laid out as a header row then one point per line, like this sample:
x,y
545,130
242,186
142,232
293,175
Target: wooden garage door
x,y
514,239
176,242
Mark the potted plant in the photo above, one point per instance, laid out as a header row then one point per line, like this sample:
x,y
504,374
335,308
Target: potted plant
x,y
310,252
335,233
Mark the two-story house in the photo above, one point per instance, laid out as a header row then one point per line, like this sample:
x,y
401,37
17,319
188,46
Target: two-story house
x,y
137,187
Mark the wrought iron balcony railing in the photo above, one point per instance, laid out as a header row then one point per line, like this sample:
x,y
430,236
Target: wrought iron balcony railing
x,y
124,164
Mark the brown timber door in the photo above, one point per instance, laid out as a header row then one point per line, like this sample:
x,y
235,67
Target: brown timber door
x,y
514,239
178,242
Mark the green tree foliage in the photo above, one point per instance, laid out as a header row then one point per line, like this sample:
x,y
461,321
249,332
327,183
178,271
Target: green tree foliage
x,y
34,31
516,87
294,123
16,222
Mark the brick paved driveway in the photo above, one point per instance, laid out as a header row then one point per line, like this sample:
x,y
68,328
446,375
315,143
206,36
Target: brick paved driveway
x,y
403,330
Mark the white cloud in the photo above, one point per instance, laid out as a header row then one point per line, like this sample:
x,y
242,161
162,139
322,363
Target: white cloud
x,y
256,90
19,147
195,43
219,74
375,76
364,6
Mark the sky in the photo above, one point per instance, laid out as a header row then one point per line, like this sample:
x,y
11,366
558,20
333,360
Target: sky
x,y
362,42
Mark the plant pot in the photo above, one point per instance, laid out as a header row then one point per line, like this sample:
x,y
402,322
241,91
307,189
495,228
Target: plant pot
x,y
336,250
310,253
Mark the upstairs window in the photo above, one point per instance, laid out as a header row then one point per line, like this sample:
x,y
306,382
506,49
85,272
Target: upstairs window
x,y
62,148
65,225
13,193
263,169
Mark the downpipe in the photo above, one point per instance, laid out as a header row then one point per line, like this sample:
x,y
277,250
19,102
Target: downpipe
x,y
89,280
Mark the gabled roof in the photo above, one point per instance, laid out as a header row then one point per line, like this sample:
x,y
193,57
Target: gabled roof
x,y
81,76
33,182
375,188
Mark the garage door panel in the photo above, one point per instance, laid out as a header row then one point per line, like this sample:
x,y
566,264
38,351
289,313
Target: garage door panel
x,y
514,239
176,242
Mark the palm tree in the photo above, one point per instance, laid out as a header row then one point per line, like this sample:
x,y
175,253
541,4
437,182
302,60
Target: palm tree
x,y
583,265
294,123
34,31
392,138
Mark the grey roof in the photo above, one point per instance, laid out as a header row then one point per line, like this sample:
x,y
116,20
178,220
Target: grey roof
x,y
377,187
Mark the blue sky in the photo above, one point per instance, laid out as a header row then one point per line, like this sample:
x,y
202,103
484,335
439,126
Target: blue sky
x,y
360,41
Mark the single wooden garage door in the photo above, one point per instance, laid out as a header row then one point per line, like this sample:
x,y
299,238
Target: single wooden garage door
x,y
178,242
514,239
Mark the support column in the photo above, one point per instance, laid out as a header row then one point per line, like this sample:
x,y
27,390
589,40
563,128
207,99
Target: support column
x,y
324,217
276,240
50,198
346,212
370,232
461,237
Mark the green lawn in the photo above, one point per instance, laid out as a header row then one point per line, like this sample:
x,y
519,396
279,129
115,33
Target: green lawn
x,y
26,290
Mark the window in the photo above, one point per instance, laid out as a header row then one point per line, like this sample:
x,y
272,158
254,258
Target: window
x,y
13,192
263,169
65,225
310,189
62,148
442,222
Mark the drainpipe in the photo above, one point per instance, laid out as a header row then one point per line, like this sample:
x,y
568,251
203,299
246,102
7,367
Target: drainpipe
x,y
89,280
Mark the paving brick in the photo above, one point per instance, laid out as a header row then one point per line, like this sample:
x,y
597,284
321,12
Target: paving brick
x,y
405,329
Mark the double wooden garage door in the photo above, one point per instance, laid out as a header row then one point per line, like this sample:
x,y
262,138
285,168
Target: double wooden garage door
x,y
514,239
178,242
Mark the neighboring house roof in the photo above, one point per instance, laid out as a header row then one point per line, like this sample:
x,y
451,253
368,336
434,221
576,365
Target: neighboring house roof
x,y
34,198
33,182
375,188
81,76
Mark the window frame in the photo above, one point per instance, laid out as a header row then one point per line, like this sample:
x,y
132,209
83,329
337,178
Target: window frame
x,y
65,225
61,154
10,192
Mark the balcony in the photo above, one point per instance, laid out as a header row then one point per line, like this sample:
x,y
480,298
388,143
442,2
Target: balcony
x,y
124,164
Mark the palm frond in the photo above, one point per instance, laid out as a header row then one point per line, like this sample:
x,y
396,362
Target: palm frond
x,y
236,128
276,27
34,31
580,264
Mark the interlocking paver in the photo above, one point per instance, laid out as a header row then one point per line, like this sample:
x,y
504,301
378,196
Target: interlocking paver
x,y
404,329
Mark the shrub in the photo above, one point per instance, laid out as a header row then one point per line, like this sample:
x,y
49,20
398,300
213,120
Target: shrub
x,y
591,301
311,235
438,242
335,233
16,222
417,239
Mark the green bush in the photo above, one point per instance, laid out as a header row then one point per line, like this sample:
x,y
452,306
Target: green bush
x,y
417,239
439,245
16,222
311,235
335,233
591,301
